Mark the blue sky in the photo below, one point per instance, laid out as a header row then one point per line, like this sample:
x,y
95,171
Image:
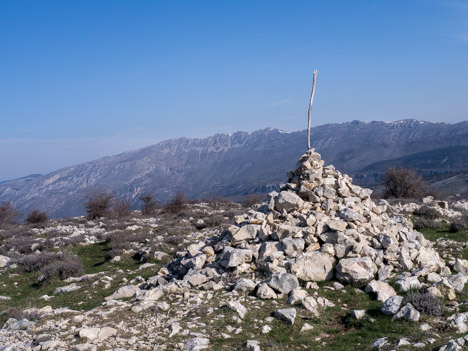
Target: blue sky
x,y
84,79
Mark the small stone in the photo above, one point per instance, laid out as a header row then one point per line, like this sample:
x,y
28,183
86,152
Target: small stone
x,y
306,327
283,282
264,292
237,307
392,305
252,345
408,312
381,289
379,343
197,344
358,314
286,314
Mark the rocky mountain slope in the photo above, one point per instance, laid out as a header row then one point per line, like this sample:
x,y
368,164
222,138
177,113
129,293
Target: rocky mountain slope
x,y
318,266
229,164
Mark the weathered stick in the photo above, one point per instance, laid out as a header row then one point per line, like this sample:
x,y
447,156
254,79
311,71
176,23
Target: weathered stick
x,y
310,108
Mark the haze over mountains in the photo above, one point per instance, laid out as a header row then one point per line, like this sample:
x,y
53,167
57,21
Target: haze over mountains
x,y
243,163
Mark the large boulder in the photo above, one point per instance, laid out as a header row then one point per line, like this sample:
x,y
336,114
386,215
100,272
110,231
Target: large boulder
x,y
286,314
314,266
288,201
355,270
392,305
247,232
382,290
283,282
232,257
124,292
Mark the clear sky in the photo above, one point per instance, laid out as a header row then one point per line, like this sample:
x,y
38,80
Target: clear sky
x,y
84,79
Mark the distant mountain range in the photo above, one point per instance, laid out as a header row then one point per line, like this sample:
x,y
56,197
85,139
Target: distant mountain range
x,y
243,163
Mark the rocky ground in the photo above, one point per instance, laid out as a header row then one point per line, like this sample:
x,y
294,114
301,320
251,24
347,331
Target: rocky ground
x,y
320,265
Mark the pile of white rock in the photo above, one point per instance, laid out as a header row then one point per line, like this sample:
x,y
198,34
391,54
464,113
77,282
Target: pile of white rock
x,y
319,227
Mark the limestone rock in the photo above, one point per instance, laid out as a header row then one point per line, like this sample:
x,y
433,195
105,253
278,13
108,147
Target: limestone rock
x,y
245,285
264,292
383,290
459,321
355,270
286,314
288,201
197,344
123,293
283,282
392,305
253,345
461,266
236,306
313,266
247,232
232,257
408,312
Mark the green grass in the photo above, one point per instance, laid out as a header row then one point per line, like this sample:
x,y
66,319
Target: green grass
x,y
444,232
24,289
333,330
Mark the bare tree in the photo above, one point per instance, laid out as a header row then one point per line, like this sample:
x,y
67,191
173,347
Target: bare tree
x,y
310,108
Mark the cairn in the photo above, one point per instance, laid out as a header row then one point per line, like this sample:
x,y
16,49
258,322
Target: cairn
x,y
318,227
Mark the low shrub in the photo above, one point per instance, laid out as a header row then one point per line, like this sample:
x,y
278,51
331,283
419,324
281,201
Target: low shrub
x,y
149,205
425,223
121,209
426,303
21,242
174,240
459,224
65,266
427,212
404,183
8,214
19,314
252,199
113,253
36,217
177,204
98,204
35,262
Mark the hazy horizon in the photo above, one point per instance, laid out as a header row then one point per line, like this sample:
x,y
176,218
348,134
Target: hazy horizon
x,y
82,80
147,145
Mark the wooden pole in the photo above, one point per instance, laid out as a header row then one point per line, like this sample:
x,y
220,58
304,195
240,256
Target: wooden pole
x,y
310,108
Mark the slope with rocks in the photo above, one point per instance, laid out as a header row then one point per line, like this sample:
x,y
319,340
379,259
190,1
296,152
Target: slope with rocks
x,y
228,164
319,265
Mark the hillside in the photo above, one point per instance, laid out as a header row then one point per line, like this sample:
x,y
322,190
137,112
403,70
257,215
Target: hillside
x,y
228,164
319,265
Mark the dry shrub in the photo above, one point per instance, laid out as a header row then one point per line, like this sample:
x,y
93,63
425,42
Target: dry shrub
x,y
19,314
174,239
8,214
65,266
404,183
21,242
121,209
427,212
121,240
36,217
217,200
177,204
149,205
460,224
98,204
425,223
252,199
35,262
426,303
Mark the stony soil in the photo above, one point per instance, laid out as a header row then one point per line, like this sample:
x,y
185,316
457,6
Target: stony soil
x,y
320,265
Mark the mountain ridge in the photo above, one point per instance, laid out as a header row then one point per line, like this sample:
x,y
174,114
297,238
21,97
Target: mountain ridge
x,y
227,164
